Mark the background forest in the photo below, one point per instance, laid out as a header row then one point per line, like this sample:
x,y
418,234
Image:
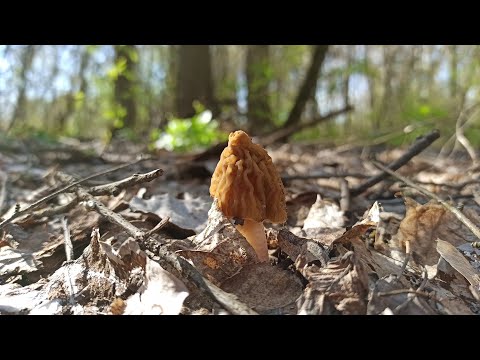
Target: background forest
x,y
336,93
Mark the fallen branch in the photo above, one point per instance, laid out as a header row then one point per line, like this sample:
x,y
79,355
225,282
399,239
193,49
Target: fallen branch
x,y
283,134
3,190
322,175
114,188
420,145
226,300
67,239
458,214
36,204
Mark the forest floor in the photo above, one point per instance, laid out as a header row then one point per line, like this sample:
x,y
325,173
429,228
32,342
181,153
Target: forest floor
x,y
154,243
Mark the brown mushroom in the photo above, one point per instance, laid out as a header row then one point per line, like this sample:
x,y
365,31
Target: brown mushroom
x,y
249,190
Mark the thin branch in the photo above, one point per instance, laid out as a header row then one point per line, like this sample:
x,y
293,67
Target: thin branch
x,y
56,210
443,151
458,214
68,240
322,175
344,195
420,145
407,291
114,188
226,300
3,190
283,134
412,295
36,204
461,138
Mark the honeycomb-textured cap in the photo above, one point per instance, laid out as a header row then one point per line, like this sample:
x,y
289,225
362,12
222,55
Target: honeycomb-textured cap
x,y
246,184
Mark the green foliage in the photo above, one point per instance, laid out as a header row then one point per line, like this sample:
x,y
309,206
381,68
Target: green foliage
x,y
188,134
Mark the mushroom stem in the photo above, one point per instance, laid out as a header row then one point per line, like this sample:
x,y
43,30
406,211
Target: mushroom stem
x,y
254,232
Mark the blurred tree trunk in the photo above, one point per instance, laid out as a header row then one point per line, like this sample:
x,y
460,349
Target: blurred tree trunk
x,y
258,73
125,85
346,85
308,86
370,78
79,86
453,68
26,61
194,79
389,56
408,74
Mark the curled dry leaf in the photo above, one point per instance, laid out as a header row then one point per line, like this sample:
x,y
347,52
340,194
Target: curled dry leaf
x,y
88,284
302,251
219,251
15,261
459,263
423,224
339,288
265,288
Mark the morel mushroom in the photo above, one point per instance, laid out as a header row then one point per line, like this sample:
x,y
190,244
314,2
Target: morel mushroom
x,y
249,190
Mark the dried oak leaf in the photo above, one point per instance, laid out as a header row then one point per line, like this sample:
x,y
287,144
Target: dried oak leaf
x,y
423,224
276,295
339,288
219,251
459,263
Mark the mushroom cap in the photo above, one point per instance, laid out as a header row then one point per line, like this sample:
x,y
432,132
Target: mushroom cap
x,y
246,184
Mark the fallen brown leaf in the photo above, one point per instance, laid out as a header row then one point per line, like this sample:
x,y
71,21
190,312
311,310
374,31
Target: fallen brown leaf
x,y
339,288
423,224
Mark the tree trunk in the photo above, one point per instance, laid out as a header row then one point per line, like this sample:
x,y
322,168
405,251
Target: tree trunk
x,y
258,73
309,85
389,56
26,63
79,83
194,79
452,83
125,85
370,79
346,85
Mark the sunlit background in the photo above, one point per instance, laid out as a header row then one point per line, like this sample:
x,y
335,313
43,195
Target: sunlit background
x,y
161,93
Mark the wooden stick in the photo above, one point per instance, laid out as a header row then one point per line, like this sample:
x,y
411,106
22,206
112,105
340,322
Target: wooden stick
x,y
67,239
420,145
458,214
224,299
36,204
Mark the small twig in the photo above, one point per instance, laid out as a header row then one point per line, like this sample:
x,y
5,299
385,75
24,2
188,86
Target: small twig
x,y
344,195
458,214
322,175
56,210
411,295
461,138
114,188
458,186
36,204
408,254
443,151
68,240
420,145
113,217
407,291
157,227
283,134
3,190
